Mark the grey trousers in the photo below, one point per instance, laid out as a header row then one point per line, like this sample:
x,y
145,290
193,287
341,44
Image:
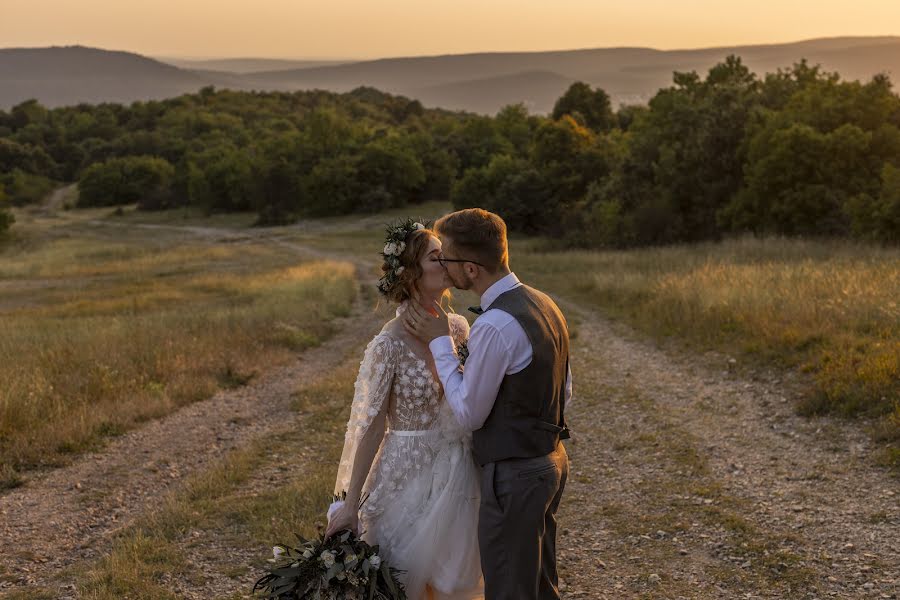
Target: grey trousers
x,y
517,526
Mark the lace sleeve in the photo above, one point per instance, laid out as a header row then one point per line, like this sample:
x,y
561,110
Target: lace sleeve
x,y
459,329
365,429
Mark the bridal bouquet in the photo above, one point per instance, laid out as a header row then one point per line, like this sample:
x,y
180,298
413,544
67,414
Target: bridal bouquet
x,y
340,567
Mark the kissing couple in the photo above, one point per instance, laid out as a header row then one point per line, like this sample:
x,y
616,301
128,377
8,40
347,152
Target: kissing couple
x,y
454,433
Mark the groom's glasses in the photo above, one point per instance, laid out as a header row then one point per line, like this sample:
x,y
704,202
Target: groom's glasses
x,y
444,261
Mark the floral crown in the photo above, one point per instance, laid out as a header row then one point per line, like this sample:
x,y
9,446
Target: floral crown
x,y
394,245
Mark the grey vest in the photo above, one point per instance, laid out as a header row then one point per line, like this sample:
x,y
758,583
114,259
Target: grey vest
x,y
527,419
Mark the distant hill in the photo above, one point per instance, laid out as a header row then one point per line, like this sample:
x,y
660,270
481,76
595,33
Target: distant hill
x,y
61,76
629,75
535,89
247,65
481,82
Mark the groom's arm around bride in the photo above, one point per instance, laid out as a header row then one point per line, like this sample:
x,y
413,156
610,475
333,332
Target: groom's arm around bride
x,y
512,395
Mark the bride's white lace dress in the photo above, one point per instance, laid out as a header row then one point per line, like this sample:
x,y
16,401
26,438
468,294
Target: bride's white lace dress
x,y
423,491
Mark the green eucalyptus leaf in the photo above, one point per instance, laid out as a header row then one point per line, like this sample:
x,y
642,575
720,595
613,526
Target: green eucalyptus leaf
x,y
388,578
288,571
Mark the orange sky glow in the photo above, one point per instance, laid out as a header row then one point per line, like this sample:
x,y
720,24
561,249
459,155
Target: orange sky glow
x,y
371,29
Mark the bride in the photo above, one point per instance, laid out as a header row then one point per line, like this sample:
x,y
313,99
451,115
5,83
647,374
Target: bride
x,y
405,456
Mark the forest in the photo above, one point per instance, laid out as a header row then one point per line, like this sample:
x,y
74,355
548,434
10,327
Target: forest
x,y
798,152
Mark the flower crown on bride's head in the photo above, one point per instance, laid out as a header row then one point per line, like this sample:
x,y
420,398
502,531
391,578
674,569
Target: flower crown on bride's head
x,y
394,245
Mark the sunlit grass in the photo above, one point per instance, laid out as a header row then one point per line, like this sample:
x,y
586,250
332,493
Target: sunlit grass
x,y
789,302
174,306
102,335
83,257
133,570
829,308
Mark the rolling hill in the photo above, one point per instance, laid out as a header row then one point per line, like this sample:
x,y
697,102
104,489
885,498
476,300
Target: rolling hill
x,y
247,65
481,82
61,76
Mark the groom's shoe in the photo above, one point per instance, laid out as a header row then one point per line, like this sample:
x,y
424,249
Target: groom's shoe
x,y
476,309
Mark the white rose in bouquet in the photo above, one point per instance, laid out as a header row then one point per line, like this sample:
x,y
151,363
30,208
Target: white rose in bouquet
x,y
327,558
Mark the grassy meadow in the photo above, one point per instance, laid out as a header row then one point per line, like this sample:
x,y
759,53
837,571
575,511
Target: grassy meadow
x,y
827,308
814,306
830,309
239,499
104,328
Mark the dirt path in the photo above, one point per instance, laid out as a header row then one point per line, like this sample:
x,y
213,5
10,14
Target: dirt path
x,y
69,514
56,199
689,480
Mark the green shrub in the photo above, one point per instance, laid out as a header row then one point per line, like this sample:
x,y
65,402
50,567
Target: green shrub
x,y
145,180
25,188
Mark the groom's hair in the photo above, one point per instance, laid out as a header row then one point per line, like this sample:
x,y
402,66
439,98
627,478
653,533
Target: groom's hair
x,y
478,235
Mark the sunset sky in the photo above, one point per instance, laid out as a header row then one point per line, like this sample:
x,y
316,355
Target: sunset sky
x,y
371,29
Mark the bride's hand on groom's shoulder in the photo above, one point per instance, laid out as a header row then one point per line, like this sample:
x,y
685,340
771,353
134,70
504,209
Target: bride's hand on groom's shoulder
x,y
427,323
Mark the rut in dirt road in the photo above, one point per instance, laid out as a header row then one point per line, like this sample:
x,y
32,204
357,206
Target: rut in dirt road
x,y
691,481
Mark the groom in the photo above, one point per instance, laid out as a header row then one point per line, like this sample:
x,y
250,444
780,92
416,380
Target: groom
x,y
511,395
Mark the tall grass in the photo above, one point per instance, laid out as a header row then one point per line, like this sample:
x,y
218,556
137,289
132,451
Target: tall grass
x,y
830,308
124,332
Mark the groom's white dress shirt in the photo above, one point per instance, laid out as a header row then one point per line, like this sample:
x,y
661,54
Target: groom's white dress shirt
x,y
498,346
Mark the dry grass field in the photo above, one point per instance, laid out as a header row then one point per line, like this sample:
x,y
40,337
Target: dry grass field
x,y
104,328
692,477
829,309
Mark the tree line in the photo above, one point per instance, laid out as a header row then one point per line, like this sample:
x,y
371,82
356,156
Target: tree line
x,y
795,152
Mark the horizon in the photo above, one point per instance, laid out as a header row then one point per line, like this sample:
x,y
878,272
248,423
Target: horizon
x,y
164,57
353,30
